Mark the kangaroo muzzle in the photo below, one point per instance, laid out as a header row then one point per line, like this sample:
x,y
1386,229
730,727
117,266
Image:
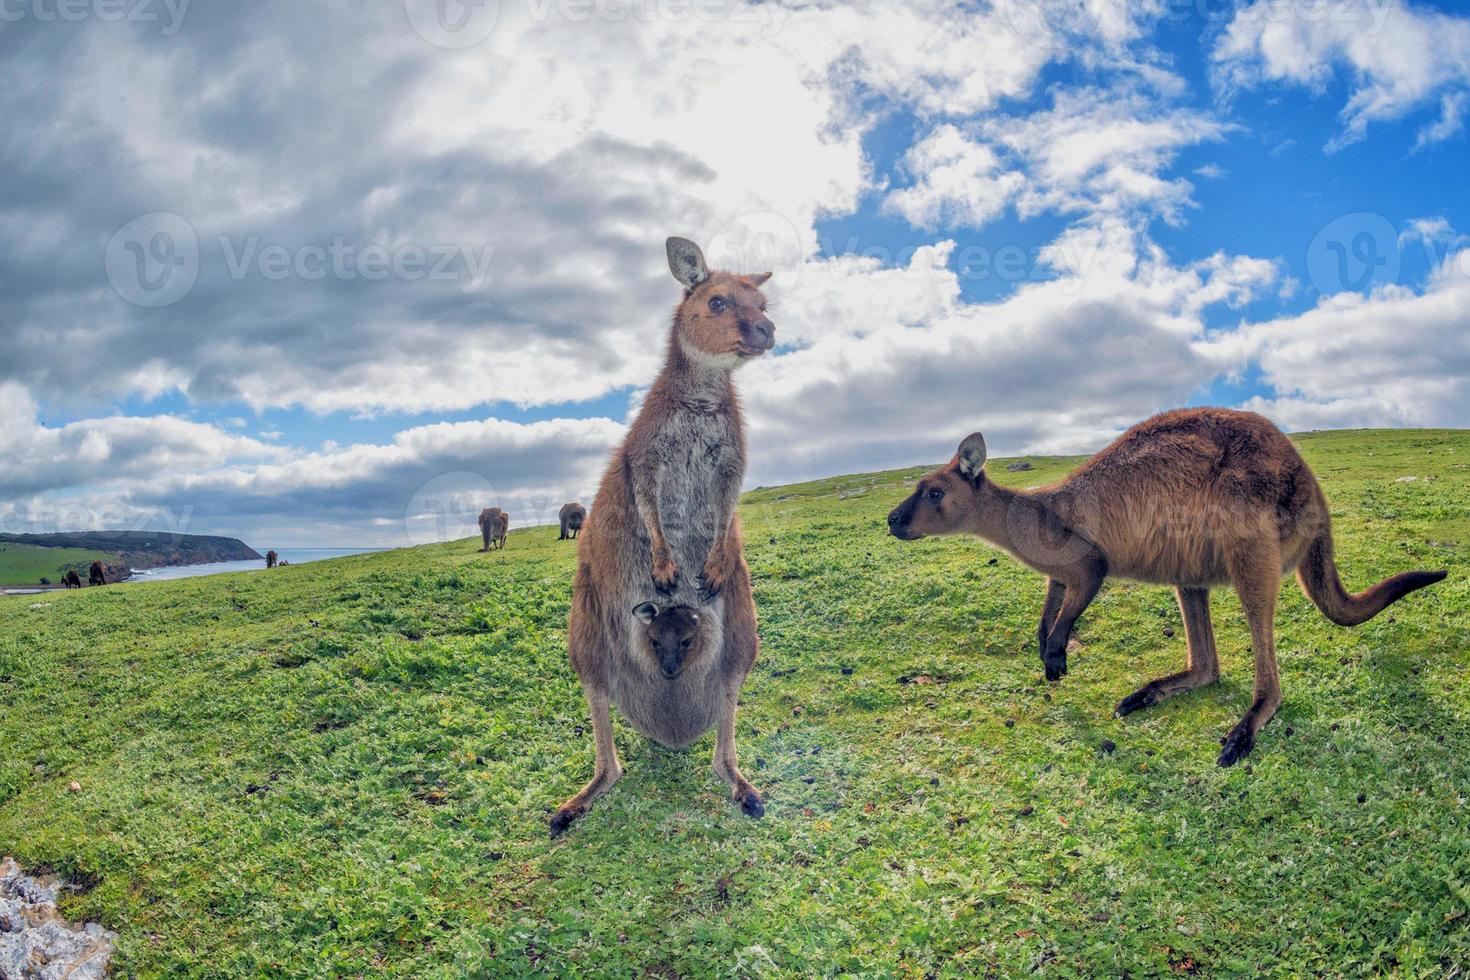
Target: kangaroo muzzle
x,y
758,335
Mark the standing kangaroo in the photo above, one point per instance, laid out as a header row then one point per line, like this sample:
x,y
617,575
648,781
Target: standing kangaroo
x,y
663,533
1192,498
270,559
572,515
96,574
494,523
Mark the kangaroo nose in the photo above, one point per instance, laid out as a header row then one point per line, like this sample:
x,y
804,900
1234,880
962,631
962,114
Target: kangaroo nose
x,y
763,334
893,518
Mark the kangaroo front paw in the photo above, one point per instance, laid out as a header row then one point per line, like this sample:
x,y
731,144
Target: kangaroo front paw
x,y
1055,666
564,818
1238,744
665,574
712,579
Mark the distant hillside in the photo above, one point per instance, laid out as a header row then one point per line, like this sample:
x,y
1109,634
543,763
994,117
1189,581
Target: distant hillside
x,y
145,549
27,564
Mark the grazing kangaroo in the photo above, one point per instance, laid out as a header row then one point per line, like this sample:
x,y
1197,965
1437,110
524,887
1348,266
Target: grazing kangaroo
x,y
572,515
664,525
1192,498
71,579
96,574
494,523
271,559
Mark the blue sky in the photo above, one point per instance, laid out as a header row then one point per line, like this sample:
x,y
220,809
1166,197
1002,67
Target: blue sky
x,y
1261,206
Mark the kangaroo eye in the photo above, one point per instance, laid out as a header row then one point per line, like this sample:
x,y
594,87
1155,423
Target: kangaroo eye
x,y
683,644
934,495
717,304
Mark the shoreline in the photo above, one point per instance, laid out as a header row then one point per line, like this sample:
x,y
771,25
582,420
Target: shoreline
x,y
138,575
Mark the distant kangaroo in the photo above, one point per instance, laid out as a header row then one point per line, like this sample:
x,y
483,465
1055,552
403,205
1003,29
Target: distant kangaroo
x,y
572,515
96,574
494,523
71,579
664,524
271,559
1192,498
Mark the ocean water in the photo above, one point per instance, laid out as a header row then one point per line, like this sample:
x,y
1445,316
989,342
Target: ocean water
x,y
296,556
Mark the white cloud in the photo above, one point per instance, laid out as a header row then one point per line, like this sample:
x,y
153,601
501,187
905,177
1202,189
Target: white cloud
x,y
1398,356
567,147
960,183
1102,152
427,484
1451,120
1399,57
1053,368
1093,152
35,457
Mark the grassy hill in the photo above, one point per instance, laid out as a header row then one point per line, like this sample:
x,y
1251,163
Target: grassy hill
x,y
347,766
27,564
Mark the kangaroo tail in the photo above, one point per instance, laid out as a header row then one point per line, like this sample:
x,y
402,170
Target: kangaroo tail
x,y
1317,575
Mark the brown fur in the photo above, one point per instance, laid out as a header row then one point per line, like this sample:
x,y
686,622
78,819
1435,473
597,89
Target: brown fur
x,y
96,574
271,559
1192,498
572,516
664,525
71,579
494,524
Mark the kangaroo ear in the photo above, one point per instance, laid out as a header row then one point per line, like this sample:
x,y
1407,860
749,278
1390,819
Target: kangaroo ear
x,y
686,262
971,456
645,611
759,279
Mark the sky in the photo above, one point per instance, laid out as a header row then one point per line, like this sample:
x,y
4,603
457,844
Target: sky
x,y
341,274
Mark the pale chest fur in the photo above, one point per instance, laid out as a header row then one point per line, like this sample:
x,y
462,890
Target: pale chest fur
x,y
700,459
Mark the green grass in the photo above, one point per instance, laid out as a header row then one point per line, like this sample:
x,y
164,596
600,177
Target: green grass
x,y
346,767
27,564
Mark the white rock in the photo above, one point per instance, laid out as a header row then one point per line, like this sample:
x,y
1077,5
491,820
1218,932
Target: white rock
x,y
35,941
